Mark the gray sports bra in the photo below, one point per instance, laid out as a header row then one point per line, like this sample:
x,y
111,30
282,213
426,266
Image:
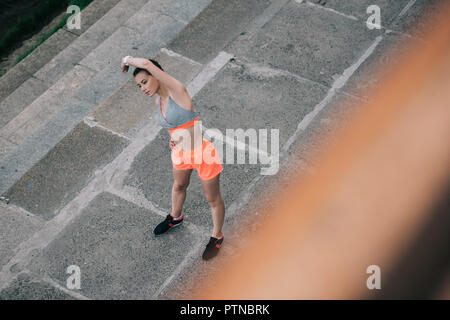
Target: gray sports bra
x,y
175,115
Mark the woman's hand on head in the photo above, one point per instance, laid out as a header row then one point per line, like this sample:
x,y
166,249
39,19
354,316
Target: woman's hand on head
x,y
124,68
135,62
124,64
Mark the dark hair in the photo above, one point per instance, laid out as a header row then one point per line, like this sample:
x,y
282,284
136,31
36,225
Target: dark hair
x,y
137,70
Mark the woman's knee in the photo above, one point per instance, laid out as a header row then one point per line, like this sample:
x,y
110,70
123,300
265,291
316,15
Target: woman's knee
x,y
180,187
215,201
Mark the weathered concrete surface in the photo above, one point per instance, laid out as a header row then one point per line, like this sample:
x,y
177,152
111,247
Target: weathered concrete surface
x,y
108,56
180,10
41,110
371,72
106,26
21,72
109,53
300,156
160,19
124,109
188,281
253,96
11,80
46,51
297,40
53,181
93,13
16,163
5,147
207,35
88,41
113,244
358,8
339,113
93,93
417,19
16,226
59,65
26,287
51,47
16,102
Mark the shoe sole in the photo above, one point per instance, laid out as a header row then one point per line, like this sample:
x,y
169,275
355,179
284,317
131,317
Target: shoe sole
x,y
216,253
211,257
172,227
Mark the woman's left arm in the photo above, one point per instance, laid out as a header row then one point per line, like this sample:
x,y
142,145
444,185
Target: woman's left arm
x,y
172,83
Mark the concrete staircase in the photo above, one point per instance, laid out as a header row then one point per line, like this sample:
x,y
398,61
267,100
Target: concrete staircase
x,y
81,73
87,168
26,68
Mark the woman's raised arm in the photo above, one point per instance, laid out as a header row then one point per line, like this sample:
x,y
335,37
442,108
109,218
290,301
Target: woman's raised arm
x,y
172,83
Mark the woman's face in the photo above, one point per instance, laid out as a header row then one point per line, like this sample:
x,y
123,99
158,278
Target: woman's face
x,y
148,84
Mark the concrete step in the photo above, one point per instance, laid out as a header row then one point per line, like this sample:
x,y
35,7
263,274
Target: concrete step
x,y
43,78
24,70
91,144
16,226
30,105
38,111
125,40
99,77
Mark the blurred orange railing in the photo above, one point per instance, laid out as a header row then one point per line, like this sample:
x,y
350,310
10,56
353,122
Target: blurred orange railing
x,y
372,191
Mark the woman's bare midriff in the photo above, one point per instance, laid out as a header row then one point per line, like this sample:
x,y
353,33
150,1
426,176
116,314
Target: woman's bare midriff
x,y
189,138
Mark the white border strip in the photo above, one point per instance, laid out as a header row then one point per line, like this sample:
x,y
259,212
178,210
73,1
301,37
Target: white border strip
x,y
338,83
407,7
208,73
93,123
170,53
331,10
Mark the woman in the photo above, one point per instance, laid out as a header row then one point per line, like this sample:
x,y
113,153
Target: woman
x,y
189,148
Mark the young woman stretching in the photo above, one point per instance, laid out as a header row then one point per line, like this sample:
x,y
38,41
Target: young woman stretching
x,y
189,149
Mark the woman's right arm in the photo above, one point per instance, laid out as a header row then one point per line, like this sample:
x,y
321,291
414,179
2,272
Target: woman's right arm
x,y
173,84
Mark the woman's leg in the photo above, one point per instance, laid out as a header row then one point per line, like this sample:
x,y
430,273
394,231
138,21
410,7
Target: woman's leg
x,y
180,184
212,193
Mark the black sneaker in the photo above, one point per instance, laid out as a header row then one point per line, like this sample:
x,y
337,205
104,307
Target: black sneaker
x,y
212,248
167,224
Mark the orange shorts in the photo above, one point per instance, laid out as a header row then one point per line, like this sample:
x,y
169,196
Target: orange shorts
x,y
205,160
